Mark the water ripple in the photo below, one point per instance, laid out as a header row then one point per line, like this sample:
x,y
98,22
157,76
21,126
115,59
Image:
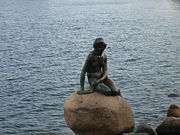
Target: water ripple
x,y
44,45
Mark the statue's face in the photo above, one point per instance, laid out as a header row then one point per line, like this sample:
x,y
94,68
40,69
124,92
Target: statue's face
x,y
99,48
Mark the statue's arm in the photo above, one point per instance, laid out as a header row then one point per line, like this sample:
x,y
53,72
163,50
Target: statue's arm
x,y
104,70
83,72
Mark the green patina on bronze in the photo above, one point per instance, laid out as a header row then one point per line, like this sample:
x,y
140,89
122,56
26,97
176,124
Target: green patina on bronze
x,y
85,91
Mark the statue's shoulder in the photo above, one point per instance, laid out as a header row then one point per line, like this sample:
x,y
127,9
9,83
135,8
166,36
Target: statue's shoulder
x,y
91,53
89,57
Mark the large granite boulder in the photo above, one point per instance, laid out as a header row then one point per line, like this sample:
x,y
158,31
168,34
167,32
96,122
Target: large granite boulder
x,y
171,126
97,114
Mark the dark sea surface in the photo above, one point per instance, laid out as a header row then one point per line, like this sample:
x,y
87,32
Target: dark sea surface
x,y
44,43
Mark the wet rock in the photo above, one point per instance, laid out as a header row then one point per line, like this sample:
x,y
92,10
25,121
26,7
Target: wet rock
x,y
144,129
173,110
173,95
171,126
97,114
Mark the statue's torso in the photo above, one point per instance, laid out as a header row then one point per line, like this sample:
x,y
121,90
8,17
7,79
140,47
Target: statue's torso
x,y
95,63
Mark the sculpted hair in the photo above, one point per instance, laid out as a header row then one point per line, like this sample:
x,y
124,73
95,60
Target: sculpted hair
x,y
99,41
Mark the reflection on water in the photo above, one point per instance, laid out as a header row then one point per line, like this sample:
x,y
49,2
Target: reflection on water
x,y
44,45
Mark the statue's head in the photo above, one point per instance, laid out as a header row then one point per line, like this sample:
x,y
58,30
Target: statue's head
x,y
99,42
99,46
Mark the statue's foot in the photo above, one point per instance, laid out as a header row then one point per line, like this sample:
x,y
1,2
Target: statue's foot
x,y
117,92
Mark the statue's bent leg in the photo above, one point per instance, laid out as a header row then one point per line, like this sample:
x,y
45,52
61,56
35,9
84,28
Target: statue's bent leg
x,y
102,88
112,86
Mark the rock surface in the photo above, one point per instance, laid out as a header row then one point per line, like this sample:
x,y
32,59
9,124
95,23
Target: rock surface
x,y
171,126
144,128
174,111
97,114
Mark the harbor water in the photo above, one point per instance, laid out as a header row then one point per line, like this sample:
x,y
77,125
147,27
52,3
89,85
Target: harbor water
x,y
44,43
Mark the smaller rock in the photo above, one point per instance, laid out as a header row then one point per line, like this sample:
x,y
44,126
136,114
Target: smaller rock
x,y
174,111
144,129
173,95
171,126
